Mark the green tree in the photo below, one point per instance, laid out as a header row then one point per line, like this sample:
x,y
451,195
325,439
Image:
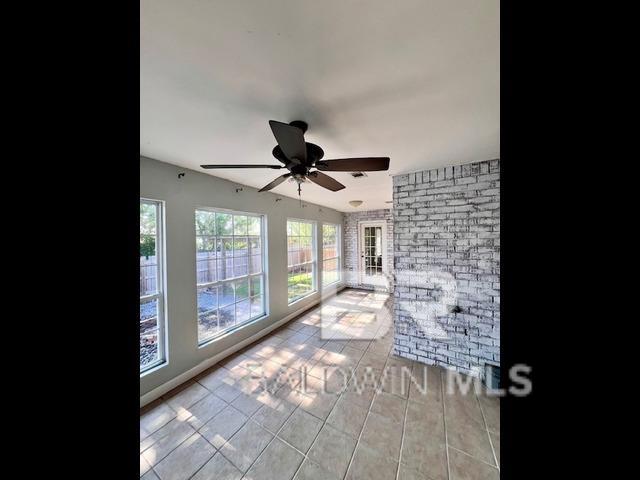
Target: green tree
x,y
147,229
147,246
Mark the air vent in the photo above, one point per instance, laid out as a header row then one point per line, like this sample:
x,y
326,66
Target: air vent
x,y
358,174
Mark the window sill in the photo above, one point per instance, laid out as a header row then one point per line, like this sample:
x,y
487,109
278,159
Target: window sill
x,y
153,369
212,340
302,298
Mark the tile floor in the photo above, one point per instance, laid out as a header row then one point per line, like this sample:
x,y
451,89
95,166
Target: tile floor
x,y
359,412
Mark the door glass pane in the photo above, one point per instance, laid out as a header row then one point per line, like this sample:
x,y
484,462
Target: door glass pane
x,y
372,250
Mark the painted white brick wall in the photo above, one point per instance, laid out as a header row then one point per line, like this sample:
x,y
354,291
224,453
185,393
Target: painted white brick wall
x,y
351,249
448,220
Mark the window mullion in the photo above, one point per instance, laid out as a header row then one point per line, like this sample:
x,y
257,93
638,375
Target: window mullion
x,y
222,306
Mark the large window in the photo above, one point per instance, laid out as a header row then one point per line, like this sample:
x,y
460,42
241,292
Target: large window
x,y
151,295
230,273
301,248
330,254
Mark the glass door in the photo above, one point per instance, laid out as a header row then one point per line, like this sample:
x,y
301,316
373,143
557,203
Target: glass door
x,y
372,244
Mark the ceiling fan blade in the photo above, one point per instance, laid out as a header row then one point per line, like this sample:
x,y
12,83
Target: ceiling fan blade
x,y
325,181
371,164
243,166
291,140
275,183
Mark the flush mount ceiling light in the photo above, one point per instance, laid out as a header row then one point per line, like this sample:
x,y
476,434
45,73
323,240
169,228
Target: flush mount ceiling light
x,y
355,203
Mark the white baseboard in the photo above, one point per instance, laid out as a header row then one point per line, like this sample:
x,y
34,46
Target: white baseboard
x,y
209,362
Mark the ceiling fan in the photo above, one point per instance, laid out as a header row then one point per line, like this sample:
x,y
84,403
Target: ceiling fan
x,y
300,157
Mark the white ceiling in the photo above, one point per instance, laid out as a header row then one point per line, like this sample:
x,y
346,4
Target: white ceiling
x,y
415,80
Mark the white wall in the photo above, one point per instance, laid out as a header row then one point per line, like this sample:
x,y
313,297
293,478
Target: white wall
x,y
182,196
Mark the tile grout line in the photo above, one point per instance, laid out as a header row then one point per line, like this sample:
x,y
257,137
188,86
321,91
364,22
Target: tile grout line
x,y
211,392
325,420
353,454
486,427
206,439
404,428
378,389
471,456
376,392
227,404
250,418
329,414
184,420
444,419
305,456
274,436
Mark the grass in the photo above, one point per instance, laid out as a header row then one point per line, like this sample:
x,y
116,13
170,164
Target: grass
x,y
299,285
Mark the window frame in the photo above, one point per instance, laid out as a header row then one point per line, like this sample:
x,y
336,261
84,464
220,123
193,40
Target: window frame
x,y
219,283
339,254
160,295
313,262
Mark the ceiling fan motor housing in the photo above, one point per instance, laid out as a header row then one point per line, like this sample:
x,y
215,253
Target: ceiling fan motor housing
x,y
300,124
314,153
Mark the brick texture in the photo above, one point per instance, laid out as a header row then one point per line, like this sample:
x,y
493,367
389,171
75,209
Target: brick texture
x,y
447,264
352,251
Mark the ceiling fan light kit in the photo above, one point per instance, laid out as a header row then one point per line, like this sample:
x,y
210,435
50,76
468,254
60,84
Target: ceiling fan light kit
x,y
300,157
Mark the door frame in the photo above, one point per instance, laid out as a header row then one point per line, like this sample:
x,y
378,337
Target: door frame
x,y
361,269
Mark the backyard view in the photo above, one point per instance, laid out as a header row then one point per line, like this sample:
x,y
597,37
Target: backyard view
x,y
229,269
149,292
330,254
229,258
301,259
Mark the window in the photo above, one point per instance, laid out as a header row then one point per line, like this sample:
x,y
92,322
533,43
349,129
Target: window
x,y
229,269
151,295
301,247
330,254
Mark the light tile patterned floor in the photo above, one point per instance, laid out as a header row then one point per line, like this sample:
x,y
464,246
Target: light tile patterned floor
x,y
358,413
